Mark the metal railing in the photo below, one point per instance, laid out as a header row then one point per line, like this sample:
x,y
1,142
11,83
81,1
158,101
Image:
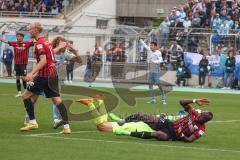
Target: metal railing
x,y
28,14
204,39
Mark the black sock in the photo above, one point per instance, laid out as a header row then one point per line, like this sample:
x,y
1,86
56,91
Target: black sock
x,y
143,135
24,84
63,112
18,82
29,108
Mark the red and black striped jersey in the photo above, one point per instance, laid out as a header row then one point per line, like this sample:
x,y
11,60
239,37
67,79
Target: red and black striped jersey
x,y
188,125
44,47
21,50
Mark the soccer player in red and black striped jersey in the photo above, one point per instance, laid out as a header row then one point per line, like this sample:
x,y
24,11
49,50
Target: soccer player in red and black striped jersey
x,y
187,129
43,78
21,50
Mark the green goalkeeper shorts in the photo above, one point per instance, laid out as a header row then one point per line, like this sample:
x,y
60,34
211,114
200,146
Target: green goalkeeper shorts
x,y
134,127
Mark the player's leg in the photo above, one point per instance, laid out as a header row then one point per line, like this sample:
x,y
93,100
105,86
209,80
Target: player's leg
x,y
99,119
100,105
23,74
151,89
128,128
29,105
29,98
56,117
163,132
162,94
52,91
157,80
159,135
117,119
34,99
63,112
152,94
18,82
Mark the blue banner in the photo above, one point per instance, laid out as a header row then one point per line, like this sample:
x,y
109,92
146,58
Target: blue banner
x,y
216,63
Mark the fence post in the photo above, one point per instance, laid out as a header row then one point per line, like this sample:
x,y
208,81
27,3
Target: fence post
x,y
211,44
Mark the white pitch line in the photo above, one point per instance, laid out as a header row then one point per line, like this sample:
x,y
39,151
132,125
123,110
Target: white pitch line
x,y
137,143
46,134
227,121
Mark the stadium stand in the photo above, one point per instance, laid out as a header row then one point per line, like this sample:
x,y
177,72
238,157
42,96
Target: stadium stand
x,y
32,7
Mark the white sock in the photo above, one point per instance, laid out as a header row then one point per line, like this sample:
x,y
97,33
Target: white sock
x,y
128,133
66,126
33,121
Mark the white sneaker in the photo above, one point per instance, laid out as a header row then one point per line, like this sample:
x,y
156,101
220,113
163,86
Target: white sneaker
x,y
229,88
19,94
224,88
66,82
57,123
70,82
152,102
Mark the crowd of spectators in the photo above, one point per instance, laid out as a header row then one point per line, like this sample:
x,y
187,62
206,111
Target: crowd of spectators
x,y
33,7
220,17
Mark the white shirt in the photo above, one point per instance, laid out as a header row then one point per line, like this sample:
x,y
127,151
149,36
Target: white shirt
x,y
186,25
153,56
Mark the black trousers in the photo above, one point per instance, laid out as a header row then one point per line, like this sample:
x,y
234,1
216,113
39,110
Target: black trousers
x,y
9,68
201,79
69,75
179,79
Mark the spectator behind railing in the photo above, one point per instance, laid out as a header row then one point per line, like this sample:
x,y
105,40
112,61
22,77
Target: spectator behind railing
x,y
164,32
230,66
201,13
181,74
31,7
203,70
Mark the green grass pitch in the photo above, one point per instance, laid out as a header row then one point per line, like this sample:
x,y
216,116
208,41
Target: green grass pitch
x,y
221,141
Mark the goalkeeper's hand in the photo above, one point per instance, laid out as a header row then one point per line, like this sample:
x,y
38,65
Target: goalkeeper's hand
x,y
202,102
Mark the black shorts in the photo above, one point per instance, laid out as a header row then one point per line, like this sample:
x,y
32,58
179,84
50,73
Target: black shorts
x,y
45,84
20,69
166,126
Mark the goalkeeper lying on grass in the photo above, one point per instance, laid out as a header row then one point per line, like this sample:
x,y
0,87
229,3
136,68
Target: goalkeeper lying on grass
x,y
188,128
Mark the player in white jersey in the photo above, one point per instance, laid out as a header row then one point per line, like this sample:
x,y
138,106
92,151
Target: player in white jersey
x,y
154,70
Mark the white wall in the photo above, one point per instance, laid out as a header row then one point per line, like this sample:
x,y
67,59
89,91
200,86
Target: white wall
x,y
102,8
105,9
96,9
44,21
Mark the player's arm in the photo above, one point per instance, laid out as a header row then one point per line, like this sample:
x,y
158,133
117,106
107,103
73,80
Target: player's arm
x,y
190,139
186,103
61,46
4,40
76,57
144,45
